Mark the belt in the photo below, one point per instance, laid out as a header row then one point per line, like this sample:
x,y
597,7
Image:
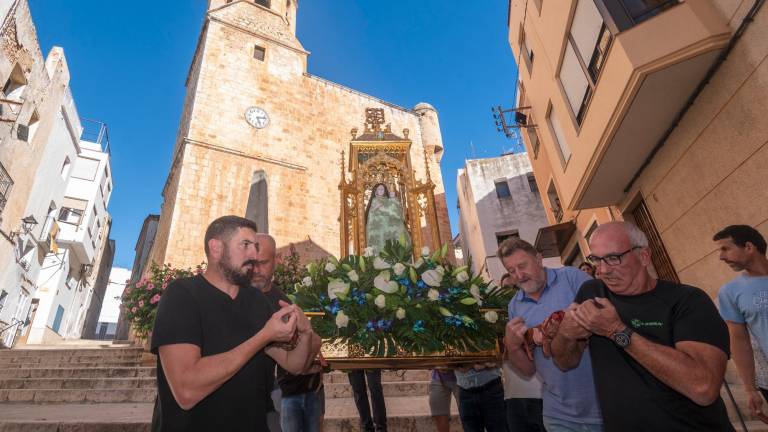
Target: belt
x,y
484,387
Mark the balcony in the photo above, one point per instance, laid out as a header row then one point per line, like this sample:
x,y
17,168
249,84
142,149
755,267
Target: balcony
x,y
649,74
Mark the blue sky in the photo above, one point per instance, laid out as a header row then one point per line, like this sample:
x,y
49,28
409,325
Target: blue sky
x,y
129,60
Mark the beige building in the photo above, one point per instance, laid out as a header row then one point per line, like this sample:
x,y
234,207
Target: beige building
x,y
498,199
261,137
652,111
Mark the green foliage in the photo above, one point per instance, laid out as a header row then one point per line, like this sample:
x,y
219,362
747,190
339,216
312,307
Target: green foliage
x,y
288,271
139,300
387,304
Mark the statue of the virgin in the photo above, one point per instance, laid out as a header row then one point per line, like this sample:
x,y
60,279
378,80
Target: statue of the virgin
x,y
384,219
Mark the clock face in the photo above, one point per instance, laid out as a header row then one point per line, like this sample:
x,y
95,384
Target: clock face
x,y
256,117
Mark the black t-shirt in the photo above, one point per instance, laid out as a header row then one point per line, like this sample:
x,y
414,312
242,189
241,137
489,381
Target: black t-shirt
x,y
631,398
291,385
193,311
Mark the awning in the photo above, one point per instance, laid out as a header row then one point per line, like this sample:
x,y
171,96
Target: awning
x,y
551,240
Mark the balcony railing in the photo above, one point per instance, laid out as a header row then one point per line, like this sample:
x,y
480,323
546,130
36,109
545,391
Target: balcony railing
x,y
6,183
96,132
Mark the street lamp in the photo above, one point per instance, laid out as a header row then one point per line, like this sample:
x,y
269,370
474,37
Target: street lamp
x,y
28,223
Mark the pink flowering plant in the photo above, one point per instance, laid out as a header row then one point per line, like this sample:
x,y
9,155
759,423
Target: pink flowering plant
x,y
140,300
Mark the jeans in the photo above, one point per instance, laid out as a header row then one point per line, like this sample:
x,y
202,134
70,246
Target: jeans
x,y
560,425
482,408
303,412
524,415
357,379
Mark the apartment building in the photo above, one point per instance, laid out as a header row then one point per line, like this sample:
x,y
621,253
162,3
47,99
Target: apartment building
x,y
650,111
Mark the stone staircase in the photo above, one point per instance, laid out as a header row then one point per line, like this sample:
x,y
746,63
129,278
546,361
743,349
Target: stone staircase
x,y
83,389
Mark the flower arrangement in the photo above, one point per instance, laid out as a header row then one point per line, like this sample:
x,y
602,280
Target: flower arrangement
x,y
387,304
139,301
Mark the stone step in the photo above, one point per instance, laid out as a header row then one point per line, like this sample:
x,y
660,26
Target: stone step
x,y
104,352
123,390
67,365
100,372
404,414
390,389
386,376
77,383
44,361
45,396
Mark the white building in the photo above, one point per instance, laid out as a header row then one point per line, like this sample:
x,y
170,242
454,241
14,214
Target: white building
x,y
59,148
498,198
110,309
65,284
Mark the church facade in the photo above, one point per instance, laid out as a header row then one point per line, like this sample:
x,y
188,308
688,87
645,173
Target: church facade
x,y
262,138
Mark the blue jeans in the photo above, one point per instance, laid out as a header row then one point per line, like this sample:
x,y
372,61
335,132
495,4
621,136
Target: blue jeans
x,y
560,425
303,412
482,408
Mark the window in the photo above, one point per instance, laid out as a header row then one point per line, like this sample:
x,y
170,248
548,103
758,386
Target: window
x,y
557,131
554,202
628,13
86,168
6,183
502,189
72,211
526,51
265,3
500,237
65,168
70,216
259,53
257,208
532,183
585,52
71,281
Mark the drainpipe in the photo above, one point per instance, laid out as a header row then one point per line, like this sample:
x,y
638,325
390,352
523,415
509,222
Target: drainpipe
x,y
710,73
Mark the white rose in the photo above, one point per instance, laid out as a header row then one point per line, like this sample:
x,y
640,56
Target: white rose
x,y
462,277
399,268
352,275
307,281
475,291
330,268
425,251
380,301
380,264
342,320
337,286
400,313
419,262
432,278
368,252
383,283
440,269
433,294
491,316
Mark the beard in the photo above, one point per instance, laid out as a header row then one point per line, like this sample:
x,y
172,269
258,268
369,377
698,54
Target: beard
x,y
239,276
259,282
530,286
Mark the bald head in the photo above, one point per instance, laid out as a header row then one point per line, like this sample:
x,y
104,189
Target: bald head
x,y
264,268
626,233
621,257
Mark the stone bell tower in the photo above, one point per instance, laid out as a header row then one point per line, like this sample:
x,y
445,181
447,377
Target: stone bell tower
x,y
260,137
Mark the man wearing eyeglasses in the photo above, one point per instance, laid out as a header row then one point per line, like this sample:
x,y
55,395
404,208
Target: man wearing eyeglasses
x,y
569,400
658,348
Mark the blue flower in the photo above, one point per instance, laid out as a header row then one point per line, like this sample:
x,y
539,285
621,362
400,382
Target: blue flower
x,y
404,282
418,327
370,326
421,284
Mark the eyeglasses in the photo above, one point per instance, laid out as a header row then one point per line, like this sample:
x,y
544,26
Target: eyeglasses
x,y
610,259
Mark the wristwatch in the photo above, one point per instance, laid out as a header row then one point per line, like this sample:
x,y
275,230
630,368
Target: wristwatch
x,y
623,338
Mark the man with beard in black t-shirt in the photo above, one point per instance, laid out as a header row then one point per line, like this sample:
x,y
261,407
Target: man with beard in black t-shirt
x,y
659,349
214,340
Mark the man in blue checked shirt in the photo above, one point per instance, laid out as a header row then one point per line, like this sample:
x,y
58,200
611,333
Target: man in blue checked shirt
x,y
570,401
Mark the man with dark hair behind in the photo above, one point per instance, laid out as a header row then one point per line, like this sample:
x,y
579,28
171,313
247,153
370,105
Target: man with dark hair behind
x,y
744,302
214,337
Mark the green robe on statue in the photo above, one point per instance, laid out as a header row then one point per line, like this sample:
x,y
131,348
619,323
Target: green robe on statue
x,y
385,222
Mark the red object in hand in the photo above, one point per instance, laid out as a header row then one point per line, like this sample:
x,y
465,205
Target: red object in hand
x,y
540,334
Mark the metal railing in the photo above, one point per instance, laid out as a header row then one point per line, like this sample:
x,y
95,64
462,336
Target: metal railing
x,y
14,326
96,132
